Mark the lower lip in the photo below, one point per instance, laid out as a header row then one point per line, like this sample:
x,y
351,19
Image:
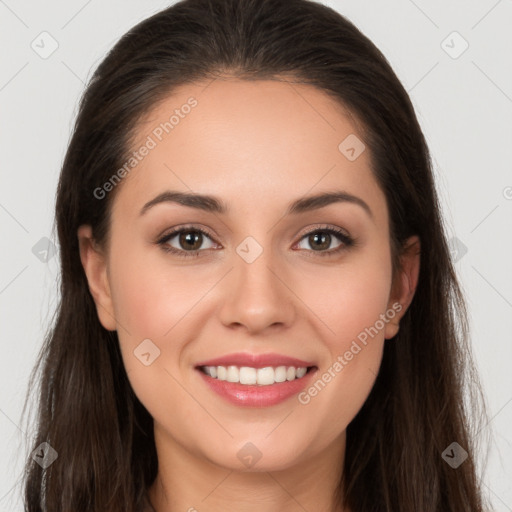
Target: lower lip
x,y
254,395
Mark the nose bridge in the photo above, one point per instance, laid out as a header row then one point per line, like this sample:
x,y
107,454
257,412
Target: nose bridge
x,y
255,296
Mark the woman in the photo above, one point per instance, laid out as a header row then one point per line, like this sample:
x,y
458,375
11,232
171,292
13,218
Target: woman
x,y
258,307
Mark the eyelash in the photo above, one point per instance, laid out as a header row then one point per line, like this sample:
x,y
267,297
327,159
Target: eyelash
x,y
346,241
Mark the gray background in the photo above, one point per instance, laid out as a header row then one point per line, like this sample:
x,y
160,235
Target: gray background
x,y
464,103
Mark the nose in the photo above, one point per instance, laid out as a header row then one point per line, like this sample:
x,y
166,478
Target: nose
x,y
257,297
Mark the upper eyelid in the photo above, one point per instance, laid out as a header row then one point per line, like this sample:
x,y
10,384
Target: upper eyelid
x,y
320,227
176,231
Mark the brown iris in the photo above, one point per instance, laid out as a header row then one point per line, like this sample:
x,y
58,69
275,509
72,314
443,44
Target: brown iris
x,y
191,237
320,240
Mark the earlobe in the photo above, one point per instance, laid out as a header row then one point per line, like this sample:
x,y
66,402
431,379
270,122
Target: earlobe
x,y
405,284
94,263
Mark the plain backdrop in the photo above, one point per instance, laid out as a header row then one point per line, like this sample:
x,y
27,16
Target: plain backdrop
x,y
460,84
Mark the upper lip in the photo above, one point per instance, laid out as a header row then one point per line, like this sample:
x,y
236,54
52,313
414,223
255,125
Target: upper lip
x,y
256,360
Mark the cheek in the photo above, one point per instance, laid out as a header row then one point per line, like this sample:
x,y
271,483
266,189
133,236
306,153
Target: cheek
x,y
156,300
349,297
353,303
149,301
149,294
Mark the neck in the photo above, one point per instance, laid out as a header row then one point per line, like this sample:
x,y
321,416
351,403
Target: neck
x,y
188,482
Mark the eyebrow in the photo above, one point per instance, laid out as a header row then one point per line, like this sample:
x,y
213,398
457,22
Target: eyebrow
x,y
213,204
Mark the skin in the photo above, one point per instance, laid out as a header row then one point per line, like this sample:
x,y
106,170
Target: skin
x,y
257,146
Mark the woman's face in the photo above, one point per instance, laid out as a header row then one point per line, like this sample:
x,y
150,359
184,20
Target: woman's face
x,y
265,279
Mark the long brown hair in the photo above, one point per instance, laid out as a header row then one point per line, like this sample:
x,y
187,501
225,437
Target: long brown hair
x,y
87,410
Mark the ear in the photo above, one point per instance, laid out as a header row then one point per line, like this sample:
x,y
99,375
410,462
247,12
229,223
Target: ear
x,y
404,284
94,262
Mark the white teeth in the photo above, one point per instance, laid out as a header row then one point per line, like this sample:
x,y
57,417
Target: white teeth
x,y
280,373
247,375
250,376
265,376
301,372
233,374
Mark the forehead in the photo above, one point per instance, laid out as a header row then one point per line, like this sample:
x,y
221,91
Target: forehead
x,y
254,141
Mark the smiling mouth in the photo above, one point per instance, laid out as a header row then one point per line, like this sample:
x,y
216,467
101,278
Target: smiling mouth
x,y
247,375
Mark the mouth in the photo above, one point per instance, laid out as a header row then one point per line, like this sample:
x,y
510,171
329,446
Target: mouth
x,y
250,376
247,386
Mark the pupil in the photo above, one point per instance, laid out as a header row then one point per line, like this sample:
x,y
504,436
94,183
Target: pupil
x,y
191,237
325,240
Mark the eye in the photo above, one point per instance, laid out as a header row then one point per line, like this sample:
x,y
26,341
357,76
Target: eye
x,y
319,240
188,241
185,241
